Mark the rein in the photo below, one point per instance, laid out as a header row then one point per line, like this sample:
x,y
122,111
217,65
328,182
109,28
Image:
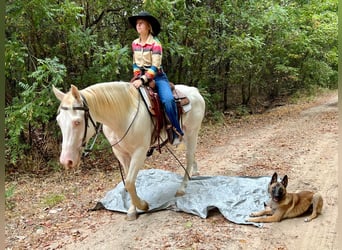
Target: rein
x,y
129,127
97,126
87,116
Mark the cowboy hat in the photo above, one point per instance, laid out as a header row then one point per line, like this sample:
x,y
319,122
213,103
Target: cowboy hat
x,y
149,18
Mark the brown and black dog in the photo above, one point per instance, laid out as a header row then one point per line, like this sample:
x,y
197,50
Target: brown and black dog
x,y
287,205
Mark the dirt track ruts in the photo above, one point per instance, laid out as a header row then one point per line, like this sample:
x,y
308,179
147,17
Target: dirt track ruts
x,y
300,142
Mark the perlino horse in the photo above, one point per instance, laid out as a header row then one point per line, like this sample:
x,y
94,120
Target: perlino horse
x,y
127,125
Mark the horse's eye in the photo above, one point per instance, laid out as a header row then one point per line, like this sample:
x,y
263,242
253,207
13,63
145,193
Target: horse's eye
x,y
76,123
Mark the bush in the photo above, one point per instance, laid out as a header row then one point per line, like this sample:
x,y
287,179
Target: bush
x,y
32,109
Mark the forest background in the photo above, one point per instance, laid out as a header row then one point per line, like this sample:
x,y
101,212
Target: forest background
x,y
242,55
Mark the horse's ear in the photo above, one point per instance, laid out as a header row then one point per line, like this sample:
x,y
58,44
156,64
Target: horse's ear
x,y
75,93
59,94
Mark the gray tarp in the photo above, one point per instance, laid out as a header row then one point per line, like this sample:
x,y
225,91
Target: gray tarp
x,y
235,197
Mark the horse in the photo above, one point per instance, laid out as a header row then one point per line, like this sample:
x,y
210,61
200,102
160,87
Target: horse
x,y
128,127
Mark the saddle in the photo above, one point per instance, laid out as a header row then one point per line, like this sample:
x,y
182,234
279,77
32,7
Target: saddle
x,y
154,106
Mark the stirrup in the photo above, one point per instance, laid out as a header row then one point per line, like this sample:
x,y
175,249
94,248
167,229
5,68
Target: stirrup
x,y
178,138
176,141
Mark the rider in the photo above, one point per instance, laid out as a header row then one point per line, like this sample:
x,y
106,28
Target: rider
x,y
147,66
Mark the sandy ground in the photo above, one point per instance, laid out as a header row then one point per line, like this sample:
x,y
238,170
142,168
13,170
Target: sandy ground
x,y
301,144
299,140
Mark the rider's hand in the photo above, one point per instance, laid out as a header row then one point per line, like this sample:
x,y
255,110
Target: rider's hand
x,y
137,83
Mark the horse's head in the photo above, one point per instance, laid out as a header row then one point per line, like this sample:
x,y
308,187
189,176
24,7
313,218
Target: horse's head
x,y
73,122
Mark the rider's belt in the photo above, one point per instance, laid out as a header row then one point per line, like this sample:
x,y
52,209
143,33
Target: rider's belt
x,y
145,68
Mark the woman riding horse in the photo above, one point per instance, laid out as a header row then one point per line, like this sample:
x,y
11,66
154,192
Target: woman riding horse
x,y
147,66
126,121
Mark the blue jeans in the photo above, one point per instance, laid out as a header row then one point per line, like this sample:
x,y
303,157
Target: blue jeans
x,y
166,98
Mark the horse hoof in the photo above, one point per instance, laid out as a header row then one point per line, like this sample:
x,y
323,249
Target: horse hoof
x,y
180,193
197,173
132,216
144,206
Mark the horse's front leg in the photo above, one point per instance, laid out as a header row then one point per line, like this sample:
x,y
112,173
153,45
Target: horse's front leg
x,y
132,213
136,164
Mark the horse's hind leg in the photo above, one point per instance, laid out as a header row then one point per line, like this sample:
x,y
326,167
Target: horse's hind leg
x,y
191,165
181,189
195,171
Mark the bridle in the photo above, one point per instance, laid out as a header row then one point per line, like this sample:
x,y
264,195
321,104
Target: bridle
x,y
96,125
87,117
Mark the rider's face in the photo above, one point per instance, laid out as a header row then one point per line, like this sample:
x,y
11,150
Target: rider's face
x,y
142,27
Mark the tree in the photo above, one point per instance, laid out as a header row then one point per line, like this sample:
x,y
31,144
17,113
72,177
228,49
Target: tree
x,y
238,53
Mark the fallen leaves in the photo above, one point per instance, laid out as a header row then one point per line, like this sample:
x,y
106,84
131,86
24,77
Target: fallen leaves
x,y
51,210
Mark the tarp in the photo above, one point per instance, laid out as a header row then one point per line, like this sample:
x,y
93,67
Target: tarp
x,y
235,197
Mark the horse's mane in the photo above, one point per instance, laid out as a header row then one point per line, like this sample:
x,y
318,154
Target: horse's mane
x,y
115,97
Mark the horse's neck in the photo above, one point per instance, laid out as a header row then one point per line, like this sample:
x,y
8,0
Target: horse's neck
x,y
111,104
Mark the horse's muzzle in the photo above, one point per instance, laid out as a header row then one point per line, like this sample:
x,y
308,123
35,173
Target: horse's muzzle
x,y
69,162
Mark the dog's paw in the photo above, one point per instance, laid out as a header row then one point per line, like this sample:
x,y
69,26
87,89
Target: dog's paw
x,y
253,215
307,220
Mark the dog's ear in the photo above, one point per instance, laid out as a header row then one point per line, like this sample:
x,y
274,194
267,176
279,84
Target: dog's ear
x,y
274,178
284,181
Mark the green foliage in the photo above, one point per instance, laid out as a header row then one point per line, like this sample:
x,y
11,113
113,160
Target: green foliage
x,y
52,200
188,225
15,60
9,193
32,108
238,53
54,165
110,60
49,71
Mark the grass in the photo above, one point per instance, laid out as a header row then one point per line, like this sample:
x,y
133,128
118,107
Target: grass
x,y
308,95
53,199
9,193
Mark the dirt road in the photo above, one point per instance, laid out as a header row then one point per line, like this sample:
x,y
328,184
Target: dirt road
x,y
299,140
295,140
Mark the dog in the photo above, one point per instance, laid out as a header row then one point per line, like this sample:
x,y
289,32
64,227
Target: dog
x,y
284,205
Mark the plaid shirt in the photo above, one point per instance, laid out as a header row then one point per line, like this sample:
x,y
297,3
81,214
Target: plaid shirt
x,y
148,57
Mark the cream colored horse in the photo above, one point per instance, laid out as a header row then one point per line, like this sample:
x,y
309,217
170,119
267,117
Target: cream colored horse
x,y
126,124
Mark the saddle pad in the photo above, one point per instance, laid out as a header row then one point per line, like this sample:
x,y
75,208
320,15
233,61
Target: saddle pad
x,y
235,197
